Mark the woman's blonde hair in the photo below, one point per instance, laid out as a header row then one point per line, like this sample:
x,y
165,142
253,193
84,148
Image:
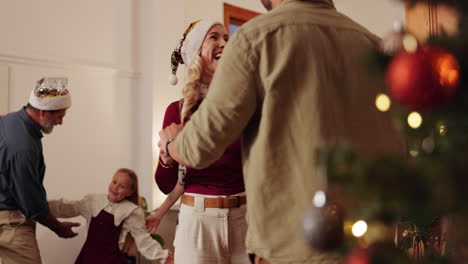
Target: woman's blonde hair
x,y
191,92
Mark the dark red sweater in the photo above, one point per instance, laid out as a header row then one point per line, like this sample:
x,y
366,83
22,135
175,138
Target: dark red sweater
x,y
223,177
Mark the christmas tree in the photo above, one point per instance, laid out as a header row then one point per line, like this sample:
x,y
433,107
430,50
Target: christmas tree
x,y
405,209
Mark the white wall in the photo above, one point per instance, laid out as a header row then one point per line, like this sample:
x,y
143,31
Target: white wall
x,y
376,15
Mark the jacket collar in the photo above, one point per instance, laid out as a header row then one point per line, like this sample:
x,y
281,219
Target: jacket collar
x,y
121,210
33,128
318,3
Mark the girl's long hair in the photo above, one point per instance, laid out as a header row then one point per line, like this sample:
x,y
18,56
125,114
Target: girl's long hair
x,y
129,246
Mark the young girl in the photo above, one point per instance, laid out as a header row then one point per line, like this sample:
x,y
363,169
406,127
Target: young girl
x,y
110,218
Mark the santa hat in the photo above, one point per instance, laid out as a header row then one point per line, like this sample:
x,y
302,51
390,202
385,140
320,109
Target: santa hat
x,y
189,45
50,94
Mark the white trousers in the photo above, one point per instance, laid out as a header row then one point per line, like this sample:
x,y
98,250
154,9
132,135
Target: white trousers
x,y
210,235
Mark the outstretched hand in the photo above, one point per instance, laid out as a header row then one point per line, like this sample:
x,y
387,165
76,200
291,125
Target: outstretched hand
x,y
170,258
152,223
64,230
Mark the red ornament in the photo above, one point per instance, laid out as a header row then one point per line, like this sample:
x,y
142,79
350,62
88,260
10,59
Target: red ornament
x,y
426,78
378,253
359,256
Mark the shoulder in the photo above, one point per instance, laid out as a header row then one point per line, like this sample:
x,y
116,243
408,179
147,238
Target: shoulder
x,y
256,31
299,15
138,211
127,206
24,152
16,136
172,114
260,25
124,210
175,106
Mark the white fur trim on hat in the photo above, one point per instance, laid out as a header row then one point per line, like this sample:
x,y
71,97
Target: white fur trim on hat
x,y
173,79
194,40
50,94
50,103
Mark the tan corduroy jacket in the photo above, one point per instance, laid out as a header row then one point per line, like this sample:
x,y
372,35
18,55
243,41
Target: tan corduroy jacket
x,y
289,81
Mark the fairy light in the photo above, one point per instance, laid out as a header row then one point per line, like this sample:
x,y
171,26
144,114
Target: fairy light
x,y
359,228
442,130
320,199
448,69
441,127
414,153
410,43
428,144
414,120
383,102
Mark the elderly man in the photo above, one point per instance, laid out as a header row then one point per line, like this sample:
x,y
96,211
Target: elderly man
x,y
23,198
289,81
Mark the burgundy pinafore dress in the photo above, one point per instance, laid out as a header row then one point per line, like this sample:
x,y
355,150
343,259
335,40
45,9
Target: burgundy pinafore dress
x,y
102,243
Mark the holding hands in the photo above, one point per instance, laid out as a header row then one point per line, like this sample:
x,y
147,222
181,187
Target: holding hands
x,y
166,136
152,222
64,229
170,258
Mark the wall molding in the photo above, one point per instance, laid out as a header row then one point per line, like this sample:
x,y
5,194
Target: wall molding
x,y
31,61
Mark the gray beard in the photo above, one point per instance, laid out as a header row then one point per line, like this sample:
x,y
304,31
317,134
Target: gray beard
x,y
47,130
46,127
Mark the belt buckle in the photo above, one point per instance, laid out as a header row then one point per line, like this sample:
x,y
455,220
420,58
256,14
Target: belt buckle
x,y
238,201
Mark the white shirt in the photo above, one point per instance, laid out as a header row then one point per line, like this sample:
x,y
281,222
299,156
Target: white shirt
x,y
130,214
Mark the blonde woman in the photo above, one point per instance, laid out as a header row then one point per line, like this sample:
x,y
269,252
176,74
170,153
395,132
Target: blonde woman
x,y
211,226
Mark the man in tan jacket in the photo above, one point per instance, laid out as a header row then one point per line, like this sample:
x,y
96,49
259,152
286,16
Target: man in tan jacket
x,y
289,81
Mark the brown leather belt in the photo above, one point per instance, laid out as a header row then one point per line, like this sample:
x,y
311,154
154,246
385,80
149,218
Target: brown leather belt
x,y
217,202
